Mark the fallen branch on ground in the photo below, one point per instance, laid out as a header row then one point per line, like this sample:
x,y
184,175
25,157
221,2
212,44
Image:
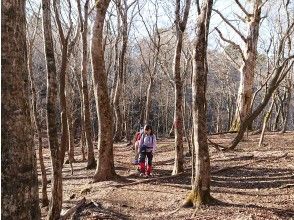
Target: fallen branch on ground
x,y
286,186
72,210
215,145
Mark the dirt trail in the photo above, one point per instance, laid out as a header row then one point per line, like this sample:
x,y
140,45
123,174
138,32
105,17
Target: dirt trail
x,y
249,183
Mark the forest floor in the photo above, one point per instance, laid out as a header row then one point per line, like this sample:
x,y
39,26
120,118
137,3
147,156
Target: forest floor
x,y
248,183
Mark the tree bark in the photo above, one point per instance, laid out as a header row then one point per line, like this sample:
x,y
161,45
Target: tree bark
x,y
279,74
287,107
247,70
265,121
105,167
180,28
91,163
19,183
148,101
36,122
52,118
200,193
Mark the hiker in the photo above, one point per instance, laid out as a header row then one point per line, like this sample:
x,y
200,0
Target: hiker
x,y
147,148
136,142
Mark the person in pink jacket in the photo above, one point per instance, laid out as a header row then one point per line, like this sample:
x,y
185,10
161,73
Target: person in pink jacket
x,y
147,148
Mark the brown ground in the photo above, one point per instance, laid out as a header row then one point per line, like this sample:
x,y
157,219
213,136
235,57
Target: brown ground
x,y
253,185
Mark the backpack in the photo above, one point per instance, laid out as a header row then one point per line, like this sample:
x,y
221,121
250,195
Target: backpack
x,y
138,136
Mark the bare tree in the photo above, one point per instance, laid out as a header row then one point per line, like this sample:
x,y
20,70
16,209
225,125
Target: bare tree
x,y
200,193
178,120
56,149
105,167
282,65
34,112
91,163
19,182
249,55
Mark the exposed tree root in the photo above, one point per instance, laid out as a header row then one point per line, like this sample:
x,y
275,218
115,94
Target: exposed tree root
x,y
72,210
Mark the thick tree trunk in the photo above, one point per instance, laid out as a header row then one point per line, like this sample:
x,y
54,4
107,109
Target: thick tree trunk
x,y
105,167
19,183
247,70
52,118
200,193
279,74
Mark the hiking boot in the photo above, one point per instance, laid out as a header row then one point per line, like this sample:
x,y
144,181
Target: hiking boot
x,y
149,174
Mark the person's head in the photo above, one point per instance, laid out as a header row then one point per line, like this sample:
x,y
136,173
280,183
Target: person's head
x,y
141,129
148,130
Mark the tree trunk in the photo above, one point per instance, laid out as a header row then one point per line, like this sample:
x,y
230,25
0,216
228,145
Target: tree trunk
x,y
279,74
180,27
148,101
105,167
52,118
200,193
19,182
45,200
64,125
178,120
247,70
91,163
265,121
287,109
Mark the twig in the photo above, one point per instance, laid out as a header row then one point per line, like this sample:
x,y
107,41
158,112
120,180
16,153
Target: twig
x,y
215,145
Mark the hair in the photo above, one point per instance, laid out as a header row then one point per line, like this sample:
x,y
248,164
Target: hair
x,y
148,127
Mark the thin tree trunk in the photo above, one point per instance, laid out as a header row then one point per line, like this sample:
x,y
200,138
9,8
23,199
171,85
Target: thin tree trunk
x,y
45,200
180,27
19,181
105,167
148,101
62,96
287,109
200,193
265,121
52,93
91,163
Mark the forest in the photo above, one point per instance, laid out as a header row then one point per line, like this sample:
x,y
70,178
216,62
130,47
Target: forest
x,y
147,109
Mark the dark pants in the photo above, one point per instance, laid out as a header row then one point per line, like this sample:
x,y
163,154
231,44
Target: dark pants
x,y
143,155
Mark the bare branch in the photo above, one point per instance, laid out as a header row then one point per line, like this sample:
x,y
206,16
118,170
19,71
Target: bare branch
x,y
236,46
232,26
242,8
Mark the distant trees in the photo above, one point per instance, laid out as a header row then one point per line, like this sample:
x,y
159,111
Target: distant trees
x,y
19,182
